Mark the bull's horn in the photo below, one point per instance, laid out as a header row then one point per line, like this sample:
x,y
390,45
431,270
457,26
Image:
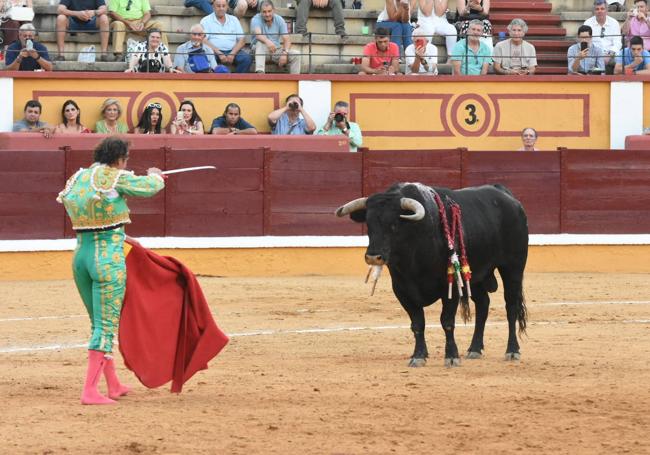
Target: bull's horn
x,y
352,206
411,204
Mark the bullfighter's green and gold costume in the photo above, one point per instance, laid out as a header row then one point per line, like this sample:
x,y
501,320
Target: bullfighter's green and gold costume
x,y
94,200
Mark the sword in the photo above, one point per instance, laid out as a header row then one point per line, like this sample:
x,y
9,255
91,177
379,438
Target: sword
x,y
187,169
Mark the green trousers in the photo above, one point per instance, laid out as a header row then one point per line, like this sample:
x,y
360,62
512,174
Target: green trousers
x,y
100,275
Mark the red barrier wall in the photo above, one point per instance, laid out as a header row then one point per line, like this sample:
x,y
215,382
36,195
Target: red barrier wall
x,y
257,191
637,142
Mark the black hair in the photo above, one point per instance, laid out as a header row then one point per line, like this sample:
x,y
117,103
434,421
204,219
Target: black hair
x,y
229,105
382,32
145,120
110,150
65,103
294,95
33,103
635,40
149,32
584,28
195,116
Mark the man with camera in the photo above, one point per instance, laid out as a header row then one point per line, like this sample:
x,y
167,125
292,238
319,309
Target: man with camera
x,y
421,56
584,57
637,23
338,124
288,120
26,54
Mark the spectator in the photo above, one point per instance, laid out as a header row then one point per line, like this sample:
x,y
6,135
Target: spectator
x,y
335,6
231,122
203,5
31,122
396,17
605,29
194,56
268,29
188,121
382,56
226,38
421,56
287,120
70,119
9,27
151,120
82,16
514,55
111,113
528,139
636,23
469,10
584,57
634,59
26,54
151,56
615,5
471,56
432,20
133,16
337,124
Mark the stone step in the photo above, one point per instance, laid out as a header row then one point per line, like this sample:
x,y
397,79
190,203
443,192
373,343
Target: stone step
x,y
531,19
534,31
524,6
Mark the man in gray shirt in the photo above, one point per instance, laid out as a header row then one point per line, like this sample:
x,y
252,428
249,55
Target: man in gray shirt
x,y
194,56
269,29
584,57
31,123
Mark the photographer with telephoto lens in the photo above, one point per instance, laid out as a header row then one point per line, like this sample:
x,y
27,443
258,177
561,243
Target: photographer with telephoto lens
x,y
292,118
338,124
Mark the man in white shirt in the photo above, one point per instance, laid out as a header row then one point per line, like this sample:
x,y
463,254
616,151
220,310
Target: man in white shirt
x,y
606,32
421,56
226,38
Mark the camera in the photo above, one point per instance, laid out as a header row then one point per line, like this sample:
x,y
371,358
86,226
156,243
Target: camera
x,y
29,45
294,105
339,117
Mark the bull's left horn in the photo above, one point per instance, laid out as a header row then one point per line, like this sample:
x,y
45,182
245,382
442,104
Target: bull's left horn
x,y
411,204
352,206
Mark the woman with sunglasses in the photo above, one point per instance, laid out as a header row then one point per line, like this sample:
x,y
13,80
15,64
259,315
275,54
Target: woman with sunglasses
x,y
94,200
151,56
110,124
188,120
151,120
70,119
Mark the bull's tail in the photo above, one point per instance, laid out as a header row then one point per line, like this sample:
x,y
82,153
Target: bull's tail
x,y
465,311
522,312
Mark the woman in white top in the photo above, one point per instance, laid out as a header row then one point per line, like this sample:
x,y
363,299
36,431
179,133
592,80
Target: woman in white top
x,y
396,16
432,20
151,56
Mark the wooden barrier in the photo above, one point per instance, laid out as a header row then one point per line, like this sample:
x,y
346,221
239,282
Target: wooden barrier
x,y
637,142
258,191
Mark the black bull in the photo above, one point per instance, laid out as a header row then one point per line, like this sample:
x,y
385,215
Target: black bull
x,y
406,235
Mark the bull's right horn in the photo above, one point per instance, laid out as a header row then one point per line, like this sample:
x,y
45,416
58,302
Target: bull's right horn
x,y
352,206
414,206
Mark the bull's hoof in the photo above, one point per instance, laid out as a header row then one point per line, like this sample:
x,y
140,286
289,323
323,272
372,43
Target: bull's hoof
x,y
512,357
417,363
473,355
452,362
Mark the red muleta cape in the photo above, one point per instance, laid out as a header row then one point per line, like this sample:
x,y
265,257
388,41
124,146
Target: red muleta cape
x,y
166,329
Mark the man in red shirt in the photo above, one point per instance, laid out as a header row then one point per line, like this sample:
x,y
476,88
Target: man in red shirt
x,y
382,56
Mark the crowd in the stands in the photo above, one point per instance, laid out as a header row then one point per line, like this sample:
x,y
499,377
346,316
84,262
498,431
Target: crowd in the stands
x,y
402,44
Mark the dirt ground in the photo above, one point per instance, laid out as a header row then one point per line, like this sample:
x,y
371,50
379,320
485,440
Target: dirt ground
x,y
316,366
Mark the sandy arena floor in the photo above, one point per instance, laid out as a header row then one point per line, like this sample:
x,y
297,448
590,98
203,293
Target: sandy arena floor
x,y
582,385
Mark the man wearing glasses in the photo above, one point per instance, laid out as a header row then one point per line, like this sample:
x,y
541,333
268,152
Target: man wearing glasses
x,y
606,32
585,57
133,16
187,54
471,56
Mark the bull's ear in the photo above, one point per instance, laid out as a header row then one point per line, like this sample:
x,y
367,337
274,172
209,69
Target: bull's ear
x,y
358,215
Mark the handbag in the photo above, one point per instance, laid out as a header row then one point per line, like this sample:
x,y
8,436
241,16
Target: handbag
x,y
198,61
149,66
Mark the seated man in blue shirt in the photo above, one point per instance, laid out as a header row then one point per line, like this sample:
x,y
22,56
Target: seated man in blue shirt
x,y
31,122
25,54
634,59
585,57
231,122
271,41
471,56
226,38
287,120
